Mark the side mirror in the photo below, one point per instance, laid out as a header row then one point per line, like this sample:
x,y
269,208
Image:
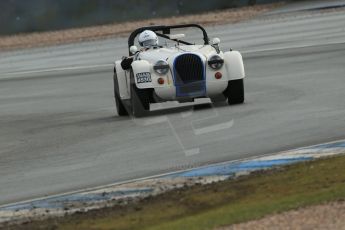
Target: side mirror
x,y
215,41
133,49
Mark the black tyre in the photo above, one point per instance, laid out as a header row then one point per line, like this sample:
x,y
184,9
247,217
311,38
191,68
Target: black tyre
x,y
120,108
235,92
140,99
219,99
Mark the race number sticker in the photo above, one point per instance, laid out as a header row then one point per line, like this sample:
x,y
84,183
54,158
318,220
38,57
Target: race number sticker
x,y
144,77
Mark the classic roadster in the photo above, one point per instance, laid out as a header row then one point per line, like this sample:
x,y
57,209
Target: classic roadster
x,y
180,72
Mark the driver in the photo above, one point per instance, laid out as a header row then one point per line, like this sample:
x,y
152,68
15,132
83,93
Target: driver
x,y
147,39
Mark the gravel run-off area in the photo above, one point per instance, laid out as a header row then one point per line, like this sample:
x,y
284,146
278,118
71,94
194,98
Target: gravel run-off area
x,y
120,29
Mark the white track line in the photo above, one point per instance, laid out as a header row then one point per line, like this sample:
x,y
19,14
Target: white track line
x,y
12,75
20,74
162,175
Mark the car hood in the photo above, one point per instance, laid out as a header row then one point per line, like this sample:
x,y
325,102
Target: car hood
x,y
153,55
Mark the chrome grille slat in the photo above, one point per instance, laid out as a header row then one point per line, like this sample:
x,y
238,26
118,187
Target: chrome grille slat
x,y
189,75
188,68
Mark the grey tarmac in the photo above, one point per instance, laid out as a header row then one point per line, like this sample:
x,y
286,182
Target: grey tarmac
x,y
59,131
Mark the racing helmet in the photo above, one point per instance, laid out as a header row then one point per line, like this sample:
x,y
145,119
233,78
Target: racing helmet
x,y
148,38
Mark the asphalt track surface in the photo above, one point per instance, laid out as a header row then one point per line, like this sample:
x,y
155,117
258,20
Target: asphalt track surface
x,y
60,132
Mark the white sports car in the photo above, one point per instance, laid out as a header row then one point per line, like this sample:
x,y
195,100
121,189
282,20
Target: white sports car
x,y
181,72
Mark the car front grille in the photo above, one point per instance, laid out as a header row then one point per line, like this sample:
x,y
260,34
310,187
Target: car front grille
x,y
189,75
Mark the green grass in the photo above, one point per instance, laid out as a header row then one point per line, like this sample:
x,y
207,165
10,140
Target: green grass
x,y
218,204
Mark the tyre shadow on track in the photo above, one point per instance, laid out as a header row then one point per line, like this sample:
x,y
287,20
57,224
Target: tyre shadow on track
x,y
97,120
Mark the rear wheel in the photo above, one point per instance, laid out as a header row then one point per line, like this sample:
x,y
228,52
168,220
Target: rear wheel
x,y
235,92
120,108
140,99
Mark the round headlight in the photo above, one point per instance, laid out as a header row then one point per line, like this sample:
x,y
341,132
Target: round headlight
x,y
161,67
215,62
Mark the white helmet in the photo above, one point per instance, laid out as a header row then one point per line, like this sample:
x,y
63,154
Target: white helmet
x,y
148,38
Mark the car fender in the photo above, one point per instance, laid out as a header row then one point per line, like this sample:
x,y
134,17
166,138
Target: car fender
x,y
234,65
123,81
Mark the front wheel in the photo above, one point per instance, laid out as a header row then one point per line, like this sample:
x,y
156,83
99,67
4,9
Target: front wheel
x,y
235,92
140,99
120,108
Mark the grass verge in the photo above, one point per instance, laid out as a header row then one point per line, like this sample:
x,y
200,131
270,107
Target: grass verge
x,y
228,202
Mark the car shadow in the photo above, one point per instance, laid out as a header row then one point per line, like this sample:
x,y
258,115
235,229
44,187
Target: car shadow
x,y
184,108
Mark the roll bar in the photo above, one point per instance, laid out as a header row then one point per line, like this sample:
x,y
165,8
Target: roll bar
x,y
165,30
